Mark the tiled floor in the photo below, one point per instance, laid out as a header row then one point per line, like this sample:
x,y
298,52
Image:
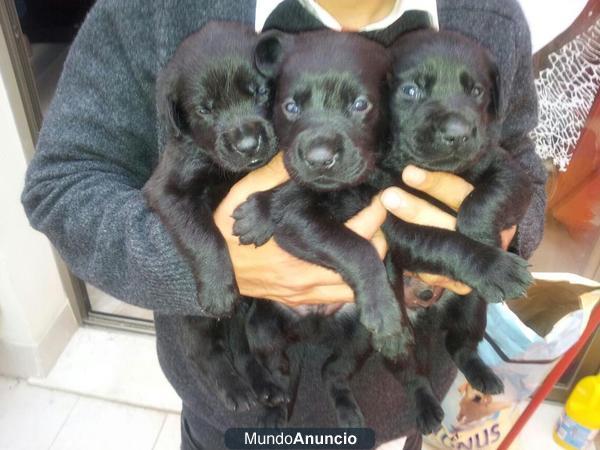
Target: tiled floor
x,y
112,365
33,418
107,392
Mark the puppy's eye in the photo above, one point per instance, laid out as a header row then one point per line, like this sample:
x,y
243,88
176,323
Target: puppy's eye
x,y
204,109
411,91
476,91
361,104
262,91
291,107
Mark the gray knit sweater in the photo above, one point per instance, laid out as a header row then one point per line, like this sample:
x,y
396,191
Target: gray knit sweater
x,y
99,144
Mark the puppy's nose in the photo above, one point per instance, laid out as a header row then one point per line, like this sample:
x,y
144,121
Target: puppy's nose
x,y
247,145
456,131
320,156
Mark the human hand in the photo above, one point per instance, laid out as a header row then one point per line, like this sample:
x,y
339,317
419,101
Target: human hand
x,y
445,187
270,272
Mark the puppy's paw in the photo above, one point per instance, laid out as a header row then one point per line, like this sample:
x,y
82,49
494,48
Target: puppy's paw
x,y
275,417
482,378
270,394
218,301
395,347
349,416
236,395
252,222
507,278
429,412
388,335
380,314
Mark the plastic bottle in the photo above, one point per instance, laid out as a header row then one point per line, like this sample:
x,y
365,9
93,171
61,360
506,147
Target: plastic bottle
x,y
580,420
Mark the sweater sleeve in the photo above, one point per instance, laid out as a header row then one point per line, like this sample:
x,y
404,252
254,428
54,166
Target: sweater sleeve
x,y
520,117
97,147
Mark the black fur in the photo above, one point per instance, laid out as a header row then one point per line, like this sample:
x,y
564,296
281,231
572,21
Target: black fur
x,y
444,105
329,116
214,106
329,119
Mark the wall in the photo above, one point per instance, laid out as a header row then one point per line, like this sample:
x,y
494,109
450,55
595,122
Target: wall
x,y
547,19
36,320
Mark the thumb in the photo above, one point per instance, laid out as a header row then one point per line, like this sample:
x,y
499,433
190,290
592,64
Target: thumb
x,y
368,221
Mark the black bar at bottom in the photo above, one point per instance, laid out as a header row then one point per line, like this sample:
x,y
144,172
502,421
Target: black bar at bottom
x,y
299,438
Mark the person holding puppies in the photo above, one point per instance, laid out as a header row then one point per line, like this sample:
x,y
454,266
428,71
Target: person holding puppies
x,y
100,144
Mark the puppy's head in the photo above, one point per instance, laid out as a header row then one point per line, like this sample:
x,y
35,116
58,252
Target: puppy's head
x,y
444,100
327,111
211,97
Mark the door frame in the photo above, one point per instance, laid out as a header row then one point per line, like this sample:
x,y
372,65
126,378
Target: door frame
x,y
74,287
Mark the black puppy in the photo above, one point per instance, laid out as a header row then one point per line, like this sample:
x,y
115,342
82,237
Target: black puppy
x,y
444,107
329,122
214,106
329,117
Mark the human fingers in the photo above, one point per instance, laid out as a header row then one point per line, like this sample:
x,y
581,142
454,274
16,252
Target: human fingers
x,y
448,188
506,236
368,221
322,294
445,282
411,208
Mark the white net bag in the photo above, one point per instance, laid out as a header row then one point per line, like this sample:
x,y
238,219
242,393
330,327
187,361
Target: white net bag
x,y
566,91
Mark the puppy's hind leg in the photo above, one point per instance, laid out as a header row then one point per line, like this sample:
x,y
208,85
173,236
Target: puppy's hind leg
x,y
411,373
277,416
465,321
206,351
267,343
348,355
263,382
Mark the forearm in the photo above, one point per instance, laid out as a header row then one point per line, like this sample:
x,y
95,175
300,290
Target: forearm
x,y
96,150
520,118
531,227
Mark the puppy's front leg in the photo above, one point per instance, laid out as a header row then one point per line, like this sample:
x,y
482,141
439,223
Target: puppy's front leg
x,y
497,275
175,192
305,230
499,201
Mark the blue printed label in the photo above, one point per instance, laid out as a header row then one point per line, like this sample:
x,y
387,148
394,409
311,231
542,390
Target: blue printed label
x,y
570,432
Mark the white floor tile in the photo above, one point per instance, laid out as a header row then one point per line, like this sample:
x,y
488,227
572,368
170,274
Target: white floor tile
x,y
30,417
170,435
537,434
100,425
113,365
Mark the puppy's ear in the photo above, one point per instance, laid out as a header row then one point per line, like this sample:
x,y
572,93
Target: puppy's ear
x,y
170,109
269,52
495,107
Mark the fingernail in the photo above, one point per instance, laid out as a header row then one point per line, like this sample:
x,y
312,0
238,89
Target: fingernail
x,y
413,176
391,199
